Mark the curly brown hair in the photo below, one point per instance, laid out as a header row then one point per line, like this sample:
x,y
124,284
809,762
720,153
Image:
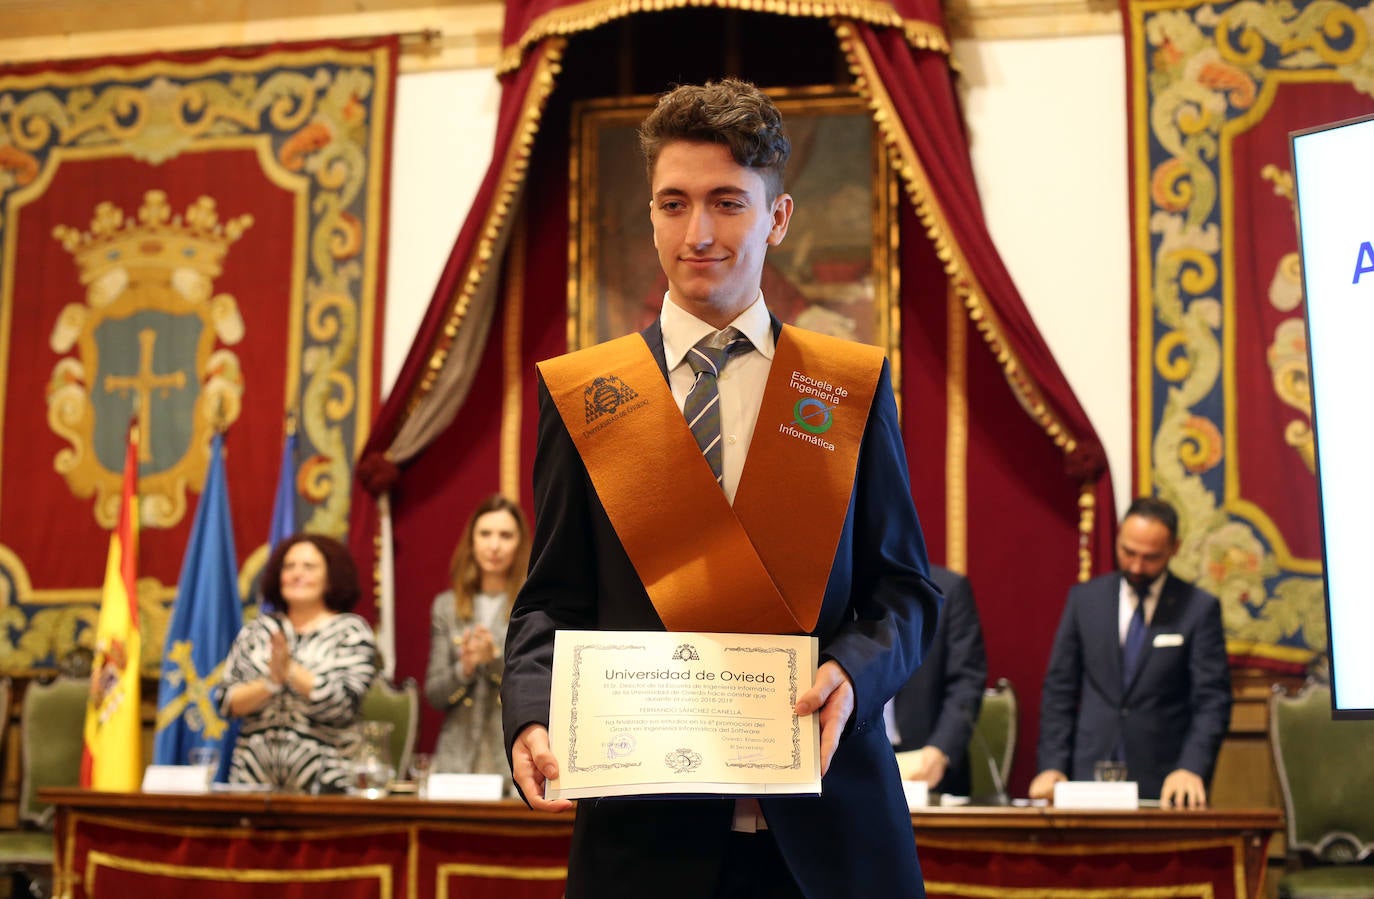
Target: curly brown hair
x,y
341,592
730,112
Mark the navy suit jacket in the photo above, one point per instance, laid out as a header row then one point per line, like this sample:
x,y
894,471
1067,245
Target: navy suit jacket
x,y
940,703
853,840
1176,711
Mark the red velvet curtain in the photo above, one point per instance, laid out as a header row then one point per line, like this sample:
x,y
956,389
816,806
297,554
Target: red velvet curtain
x,y
1024,498
376,473
1032,454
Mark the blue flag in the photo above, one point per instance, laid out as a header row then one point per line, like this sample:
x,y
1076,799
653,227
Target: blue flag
x,y
206,618
283,505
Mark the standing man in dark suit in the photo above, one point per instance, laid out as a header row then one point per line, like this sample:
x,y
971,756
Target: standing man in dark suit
x,y
638,516
932,717
1138,672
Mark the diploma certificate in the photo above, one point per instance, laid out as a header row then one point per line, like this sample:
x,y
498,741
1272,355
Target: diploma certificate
x,y
646,712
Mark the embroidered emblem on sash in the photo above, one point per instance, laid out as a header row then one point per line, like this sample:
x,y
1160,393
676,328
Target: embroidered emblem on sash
x,y
814,411
605,395
813,416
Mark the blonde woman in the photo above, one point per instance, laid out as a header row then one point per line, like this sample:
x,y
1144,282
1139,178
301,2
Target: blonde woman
x,y
468,639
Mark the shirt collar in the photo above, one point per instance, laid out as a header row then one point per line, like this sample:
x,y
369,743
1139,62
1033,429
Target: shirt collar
x,y
1155,589
682,330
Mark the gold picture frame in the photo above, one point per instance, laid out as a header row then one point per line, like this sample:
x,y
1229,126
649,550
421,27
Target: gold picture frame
x,y
837,272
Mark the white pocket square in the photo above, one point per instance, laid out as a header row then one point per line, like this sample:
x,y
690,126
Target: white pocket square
x,y
1168,640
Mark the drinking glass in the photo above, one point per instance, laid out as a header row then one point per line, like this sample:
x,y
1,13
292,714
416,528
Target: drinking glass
x,y
1109,770
371,761
420,764
206,757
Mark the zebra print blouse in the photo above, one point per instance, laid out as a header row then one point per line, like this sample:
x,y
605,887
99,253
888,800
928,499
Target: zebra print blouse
x,y
301,742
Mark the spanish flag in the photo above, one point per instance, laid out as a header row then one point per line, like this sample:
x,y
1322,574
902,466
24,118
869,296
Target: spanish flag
x,y
113,755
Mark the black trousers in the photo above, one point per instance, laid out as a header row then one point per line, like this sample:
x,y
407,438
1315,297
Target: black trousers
x,y
755,869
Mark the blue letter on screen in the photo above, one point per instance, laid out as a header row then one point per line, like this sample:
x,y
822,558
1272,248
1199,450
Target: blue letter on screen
x,y
1364,262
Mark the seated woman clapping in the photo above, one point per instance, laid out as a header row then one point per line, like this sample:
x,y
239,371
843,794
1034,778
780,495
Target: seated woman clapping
x,y
296,677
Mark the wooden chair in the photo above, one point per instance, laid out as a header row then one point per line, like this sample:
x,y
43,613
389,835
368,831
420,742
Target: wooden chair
x,y
993,743
52,733
400,706
1326,775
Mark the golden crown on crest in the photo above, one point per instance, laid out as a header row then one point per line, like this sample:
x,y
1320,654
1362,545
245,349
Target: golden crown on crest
x,y
154,240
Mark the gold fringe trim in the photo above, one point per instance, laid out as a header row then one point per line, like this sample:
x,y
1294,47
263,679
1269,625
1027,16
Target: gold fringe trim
x,y
513,174
933,219
1087,514
514,364
594,13
956,436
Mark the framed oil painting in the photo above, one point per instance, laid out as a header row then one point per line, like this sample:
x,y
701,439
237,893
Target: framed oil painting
x,y
836,272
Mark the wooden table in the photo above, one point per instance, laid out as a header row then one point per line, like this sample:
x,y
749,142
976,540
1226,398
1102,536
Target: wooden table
x,y
1044,852
267,845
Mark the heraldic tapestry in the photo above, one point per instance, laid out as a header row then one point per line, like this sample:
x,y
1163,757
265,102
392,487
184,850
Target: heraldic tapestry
x,y
1222,418
194,241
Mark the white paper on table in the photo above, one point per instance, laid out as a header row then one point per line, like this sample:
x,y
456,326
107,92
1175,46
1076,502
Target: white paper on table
x,y
465,787
1094,794
177,778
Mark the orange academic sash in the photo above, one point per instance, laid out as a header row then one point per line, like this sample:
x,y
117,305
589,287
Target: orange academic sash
x,y
761,566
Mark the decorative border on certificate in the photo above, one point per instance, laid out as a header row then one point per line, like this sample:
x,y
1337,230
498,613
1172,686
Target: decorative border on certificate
x,y
621,742
792,689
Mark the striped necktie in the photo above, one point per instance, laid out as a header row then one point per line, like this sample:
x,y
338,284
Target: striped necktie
x,y
702,407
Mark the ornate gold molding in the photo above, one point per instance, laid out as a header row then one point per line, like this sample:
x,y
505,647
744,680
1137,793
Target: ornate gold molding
x,y
993,19
461,34
438,35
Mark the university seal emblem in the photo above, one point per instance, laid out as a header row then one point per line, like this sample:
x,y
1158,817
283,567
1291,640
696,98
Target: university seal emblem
x,y
605,395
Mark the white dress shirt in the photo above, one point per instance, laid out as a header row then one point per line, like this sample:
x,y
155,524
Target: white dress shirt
x,y
1127,599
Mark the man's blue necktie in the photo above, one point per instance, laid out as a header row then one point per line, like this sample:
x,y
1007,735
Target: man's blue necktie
x,y
702,407
1132,649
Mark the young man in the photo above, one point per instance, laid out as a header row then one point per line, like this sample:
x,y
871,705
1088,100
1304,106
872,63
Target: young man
x,y
1138,672
789,486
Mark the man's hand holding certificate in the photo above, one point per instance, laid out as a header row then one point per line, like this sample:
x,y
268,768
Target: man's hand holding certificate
x,y
638,713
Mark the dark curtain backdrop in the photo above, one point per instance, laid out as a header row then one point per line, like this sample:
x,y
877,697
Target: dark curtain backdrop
x,y
1027,504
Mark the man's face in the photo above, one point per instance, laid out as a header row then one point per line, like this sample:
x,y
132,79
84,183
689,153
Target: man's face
x,y
1143,549
713,224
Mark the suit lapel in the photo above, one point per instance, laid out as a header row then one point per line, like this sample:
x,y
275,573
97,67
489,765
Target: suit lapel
x,y
1164,620
653,336
1170,607
1108,631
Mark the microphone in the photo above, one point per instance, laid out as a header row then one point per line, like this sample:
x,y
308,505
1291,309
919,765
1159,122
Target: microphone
x,y
1000,795
977,742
